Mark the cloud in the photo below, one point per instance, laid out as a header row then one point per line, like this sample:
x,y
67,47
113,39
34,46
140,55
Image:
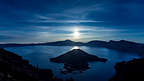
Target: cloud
x,y
50,20
65,21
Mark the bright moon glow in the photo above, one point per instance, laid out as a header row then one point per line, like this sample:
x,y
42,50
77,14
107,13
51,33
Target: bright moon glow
x,y
76,30
75,47
76,33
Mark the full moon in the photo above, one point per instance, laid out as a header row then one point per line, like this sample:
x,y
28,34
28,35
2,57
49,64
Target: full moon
x,y
76,34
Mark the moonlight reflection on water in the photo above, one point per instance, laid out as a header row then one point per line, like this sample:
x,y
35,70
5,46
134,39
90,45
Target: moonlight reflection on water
x,y
41,54
75,47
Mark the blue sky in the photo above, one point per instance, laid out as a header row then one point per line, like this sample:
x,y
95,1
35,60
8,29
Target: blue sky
x,y
27,21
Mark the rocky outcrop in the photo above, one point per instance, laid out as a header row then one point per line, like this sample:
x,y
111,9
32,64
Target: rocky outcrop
x,y
14,68
97,43
64,43
126,46
122,45
76,59
129,71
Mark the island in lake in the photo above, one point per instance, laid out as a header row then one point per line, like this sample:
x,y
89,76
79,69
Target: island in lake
x,y
14,68
76,60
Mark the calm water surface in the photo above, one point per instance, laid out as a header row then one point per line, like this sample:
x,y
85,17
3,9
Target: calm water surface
x,y
98,71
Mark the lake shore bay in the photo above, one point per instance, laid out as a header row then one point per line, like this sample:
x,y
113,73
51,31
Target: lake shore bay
x,y
14,68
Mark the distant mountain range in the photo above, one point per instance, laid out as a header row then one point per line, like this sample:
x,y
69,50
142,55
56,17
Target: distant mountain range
x,y
122,45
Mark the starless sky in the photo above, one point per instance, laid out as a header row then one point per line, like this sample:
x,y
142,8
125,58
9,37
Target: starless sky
x,y
27,21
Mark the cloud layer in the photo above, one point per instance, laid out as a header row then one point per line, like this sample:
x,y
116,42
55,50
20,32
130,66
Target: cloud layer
x,y
52,20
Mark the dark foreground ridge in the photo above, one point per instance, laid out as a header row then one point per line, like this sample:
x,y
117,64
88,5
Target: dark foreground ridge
x,y
14,68
76,59
129,71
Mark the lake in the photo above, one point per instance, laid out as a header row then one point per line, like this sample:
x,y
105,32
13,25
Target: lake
x,y
98,71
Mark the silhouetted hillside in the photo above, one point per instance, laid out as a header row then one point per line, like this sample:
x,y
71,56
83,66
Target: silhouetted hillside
x,y
129,71
97,43
122,45
126,46
64,43
14,68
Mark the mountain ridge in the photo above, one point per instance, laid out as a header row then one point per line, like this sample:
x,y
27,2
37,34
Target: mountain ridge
x,y
122,45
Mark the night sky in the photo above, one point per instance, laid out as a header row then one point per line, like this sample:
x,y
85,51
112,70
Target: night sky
x,y
30,21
